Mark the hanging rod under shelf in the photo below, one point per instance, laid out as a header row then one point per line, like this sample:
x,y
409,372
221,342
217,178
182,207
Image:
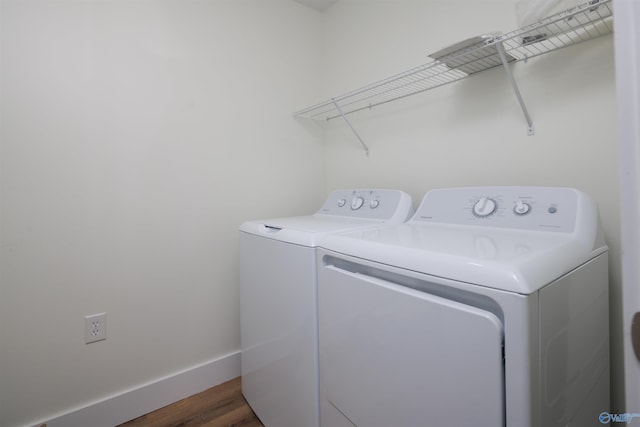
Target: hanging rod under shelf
x,y
584,22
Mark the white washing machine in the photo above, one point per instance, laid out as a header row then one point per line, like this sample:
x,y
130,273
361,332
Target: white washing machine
x,y
278,285
488,308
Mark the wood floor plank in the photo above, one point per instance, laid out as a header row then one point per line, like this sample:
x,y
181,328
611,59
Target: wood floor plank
x,y
220,406
242,416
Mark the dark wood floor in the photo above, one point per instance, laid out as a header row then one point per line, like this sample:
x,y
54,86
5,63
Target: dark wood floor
x,y
220,406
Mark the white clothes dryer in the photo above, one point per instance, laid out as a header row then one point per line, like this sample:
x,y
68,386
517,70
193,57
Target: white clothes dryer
x,y
488,308
278,296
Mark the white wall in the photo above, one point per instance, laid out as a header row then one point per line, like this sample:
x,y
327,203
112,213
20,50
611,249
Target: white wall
x,y
135,137
472,132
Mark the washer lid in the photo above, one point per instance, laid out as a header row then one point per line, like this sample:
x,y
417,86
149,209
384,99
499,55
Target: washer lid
x,y
305,230
511,260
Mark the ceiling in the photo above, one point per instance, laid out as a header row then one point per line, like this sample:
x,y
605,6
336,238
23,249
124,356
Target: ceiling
x,y
319,5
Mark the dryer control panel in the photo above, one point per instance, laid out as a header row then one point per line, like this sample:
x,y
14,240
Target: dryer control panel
x,y
528,208
380,204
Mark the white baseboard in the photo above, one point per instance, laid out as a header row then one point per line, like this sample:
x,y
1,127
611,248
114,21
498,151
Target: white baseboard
x,y
146,398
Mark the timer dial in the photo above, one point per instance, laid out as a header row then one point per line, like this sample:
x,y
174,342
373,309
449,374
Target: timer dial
x,y
484,207
356,203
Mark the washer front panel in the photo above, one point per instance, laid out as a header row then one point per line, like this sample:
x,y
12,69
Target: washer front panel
x,y
278,323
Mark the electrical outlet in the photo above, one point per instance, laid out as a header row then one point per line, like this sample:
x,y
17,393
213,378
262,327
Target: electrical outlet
x,y
95,328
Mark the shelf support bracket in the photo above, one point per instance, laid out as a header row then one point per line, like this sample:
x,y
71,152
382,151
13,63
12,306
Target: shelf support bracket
x,y
366,149
503,58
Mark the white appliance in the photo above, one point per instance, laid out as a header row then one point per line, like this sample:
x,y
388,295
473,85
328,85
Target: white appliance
x,y
278,285
488,308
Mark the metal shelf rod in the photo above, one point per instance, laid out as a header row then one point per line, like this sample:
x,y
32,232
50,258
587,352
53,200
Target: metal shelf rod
x,y
366,149
503,58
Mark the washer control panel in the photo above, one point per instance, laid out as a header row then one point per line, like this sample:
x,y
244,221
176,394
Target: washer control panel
x,y
367,203
528,208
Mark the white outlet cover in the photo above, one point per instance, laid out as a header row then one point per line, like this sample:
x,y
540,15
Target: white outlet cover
x,y
95,328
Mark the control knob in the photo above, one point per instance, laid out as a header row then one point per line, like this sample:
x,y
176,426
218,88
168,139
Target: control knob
x,y
484,207
521,208
356,203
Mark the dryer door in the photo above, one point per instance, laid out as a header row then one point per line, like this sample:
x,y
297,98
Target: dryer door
x,y
395,356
